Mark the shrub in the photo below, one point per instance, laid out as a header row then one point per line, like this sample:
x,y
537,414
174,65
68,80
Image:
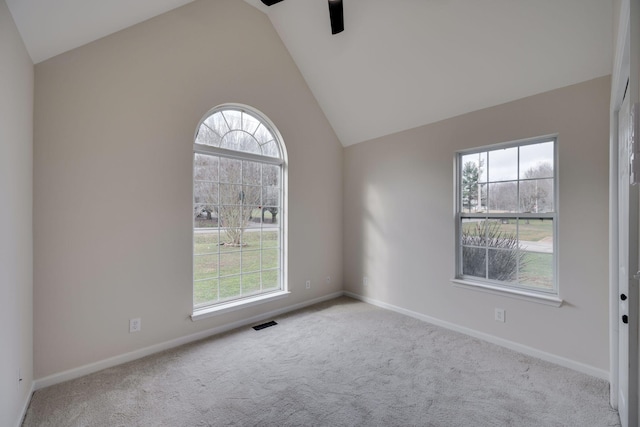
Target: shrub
x,y
503,261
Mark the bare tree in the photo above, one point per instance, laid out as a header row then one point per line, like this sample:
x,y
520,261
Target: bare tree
x,y
232,190
205,189
238,200
271,191
536,193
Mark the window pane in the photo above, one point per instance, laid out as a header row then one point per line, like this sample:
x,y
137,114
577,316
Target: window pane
x,y
233,226
536,270
249,123
270,216
230,171
238,140
205,266
482,166
270,149
250,261
233,118
204,216
271,196
205,291
536,235
217,123
470,182
251,283
536,196
502,233
503,197
205,242
270,239
503,164
271,175
230,263
207,135
536,160
473,232
254,221
271,279
263,135
251,195
251,238
503,264
474,262
251,173
205,193
231,195
205,168
270,258
229,287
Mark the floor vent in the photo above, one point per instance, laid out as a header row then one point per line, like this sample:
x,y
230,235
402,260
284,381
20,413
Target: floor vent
x,y
264,325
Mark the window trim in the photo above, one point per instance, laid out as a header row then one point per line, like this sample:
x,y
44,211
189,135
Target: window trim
x,y
549,297
204,311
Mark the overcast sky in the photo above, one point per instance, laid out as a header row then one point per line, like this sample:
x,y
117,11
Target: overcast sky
x,y
503,163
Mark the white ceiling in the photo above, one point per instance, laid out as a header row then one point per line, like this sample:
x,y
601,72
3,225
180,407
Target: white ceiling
x,y
399,63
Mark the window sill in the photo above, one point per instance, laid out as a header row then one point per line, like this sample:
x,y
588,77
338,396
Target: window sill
x,y
205,312
551,300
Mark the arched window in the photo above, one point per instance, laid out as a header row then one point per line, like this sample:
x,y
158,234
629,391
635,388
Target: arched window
x,y
238,209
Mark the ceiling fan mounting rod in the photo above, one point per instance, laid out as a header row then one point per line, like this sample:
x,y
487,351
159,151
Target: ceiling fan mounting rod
x,y
336,14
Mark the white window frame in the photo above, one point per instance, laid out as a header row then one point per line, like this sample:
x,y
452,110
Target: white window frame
x,y
514,290
201,311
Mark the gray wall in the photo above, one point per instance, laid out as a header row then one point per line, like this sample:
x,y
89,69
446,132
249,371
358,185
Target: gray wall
x,y
114,127
399,221
16,242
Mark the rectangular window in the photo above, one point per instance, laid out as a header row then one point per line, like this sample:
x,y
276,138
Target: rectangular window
x,y
506,216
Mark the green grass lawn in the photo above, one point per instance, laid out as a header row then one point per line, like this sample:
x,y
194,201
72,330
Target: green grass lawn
x,y
537,268
535,231
223,272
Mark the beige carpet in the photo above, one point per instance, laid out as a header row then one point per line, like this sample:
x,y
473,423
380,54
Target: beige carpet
x,y
341,363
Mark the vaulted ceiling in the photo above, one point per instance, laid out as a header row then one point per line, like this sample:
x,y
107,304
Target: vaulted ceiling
x,y
399,63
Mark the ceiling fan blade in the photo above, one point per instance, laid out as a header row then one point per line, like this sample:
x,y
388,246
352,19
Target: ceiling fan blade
x,y
336,15
271,2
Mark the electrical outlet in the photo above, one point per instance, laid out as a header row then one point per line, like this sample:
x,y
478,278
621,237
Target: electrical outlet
x,y
500,315
365,281
308,284
135,325
328,279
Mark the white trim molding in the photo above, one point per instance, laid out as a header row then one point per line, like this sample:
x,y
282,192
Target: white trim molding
x,y
25,406
522,294
238,304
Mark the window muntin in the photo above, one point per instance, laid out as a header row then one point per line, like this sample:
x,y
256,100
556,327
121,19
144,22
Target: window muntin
x,y
506,210
238,208
238,130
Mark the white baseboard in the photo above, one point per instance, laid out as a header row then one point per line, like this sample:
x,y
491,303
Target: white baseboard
x,y
25,405
143,352
529,351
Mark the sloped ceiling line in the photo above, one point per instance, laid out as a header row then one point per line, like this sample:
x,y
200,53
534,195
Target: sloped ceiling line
x,y
398,63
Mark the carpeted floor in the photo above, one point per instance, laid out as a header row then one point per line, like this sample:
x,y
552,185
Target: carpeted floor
x,y
340,363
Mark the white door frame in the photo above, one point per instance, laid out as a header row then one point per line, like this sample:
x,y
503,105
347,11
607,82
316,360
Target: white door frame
x,y
626,66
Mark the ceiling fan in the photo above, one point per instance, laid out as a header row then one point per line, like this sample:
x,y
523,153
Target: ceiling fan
x,y
336,14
